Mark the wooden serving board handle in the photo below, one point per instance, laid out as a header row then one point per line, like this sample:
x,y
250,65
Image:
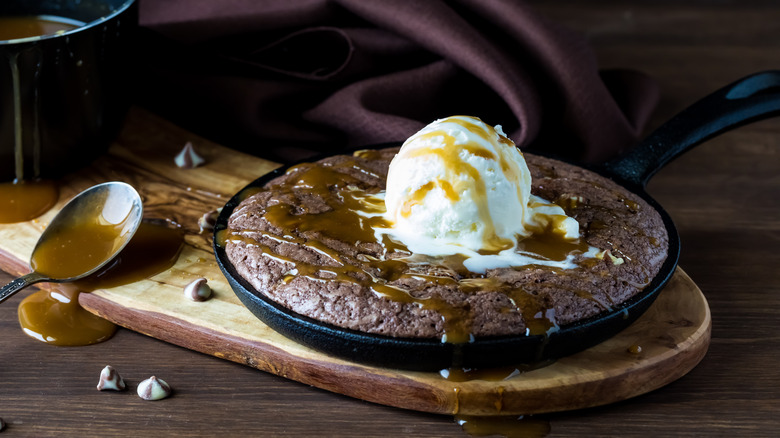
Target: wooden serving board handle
x,y
673,335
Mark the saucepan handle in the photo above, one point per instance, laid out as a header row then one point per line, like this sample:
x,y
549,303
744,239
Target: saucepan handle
x,y
749,99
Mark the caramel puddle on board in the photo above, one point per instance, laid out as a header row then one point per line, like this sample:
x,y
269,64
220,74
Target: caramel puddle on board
x,y
22,201
508,426
55,316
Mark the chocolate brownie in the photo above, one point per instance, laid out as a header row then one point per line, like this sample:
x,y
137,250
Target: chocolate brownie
x,y
300,241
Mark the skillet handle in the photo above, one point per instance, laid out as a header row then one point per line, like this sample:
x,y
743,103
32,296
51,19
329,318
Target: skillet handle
x,y
749,99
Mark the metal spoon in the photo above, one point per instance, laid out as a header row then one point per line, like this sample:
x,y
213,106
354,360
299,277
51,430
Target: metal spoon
x,y
87,233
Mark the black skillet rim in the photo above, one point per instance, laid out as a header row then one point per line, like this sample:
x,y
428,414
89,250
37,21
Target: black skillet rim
x,y
432,354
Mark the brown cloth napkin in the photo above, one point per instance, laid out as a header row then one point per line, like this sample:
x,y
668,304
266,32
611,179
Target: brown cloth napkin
x,y
286,79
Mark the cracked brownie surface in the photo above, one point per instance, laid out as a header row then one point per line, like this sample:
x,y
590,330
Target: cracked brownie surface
x,y
299,241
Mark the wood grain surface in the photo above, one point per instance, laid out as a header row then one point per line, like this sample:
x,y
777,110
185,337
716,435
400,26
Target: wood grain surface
x,y
723,197
674,335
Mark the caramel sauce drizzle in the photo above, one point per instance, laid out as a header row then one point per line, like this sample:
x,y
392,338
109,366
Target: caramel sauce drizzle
x,y
517,426
26,198
460,170
419,195
351,215
77,249
32,26
454,165
54,315
21,200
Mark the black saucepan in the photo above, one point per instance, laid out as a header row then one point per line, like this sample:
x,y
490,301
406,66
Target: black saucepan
x,y
63,96
748,99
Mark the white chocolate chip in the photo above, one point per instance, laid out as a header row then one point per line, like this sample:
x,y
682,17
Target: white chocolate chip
x,y
154,389
207,221
615,260
188,158
110,380
198,290
575,201
607,253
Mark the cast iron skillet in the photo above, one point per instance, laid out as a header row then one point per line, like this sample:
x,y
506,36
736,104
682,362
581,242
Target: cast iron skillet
x,y
749,99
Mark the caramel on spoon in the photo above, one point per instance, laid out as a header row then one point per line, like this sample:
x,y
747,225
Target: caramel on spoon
x,y
87,233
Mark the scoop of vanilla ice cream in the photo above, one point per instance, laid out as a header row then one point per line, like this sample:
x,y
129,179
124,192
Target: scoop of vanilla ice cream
x,y
461,185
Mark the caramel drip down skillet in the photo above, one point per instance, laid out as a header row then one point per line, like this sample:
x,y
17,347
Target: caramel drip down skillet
x,y
746,100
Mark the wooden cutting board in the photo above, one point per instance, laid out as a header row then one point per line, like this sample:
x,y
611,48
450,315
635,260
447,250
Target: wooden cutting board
x,y
673,335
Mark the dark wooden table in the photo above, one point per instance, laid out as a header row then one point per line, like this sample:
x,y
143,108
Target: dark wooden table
x,y
724,197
